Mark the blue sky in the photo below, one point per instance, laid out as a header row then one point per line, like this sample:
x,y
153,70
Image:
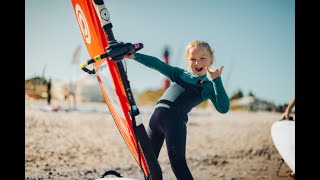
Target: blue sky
x,y
254,40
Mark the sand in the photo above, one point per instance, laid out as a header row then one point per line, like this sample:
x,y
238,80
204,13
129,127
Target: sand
x,y
85,144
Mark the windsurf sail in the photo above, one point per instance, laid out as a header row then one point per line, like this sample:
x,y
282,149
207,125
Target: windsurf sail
x,y
107,55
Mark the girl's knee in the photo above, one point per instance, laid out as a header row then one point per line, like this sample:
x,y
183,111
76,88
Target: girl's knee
x,y
176,156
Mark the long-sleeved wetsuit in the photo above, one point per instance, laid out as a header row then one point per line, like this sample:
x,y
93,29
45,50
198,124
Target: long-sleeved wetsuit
x,y
169,119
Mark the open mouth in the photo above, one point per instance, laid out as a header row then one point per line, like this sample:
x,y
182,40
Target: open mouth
x,y
199,69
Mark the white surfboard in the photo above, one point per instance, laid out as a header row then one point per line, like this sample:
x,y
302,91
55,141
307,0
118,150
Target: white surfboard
x,y
283,136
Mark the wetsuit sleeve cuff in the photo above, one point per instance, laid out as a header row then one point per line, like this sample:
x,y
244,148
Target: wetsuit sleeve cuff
x,y
217,80
139,57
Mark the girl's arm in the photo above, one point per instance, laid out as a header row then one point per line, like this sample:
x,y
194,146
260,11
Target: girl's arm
x,y
220,99
156,64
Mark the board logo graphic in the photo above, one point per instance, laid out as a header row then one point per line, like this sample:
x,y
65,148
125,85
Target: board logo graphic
x,y
105,15
83,24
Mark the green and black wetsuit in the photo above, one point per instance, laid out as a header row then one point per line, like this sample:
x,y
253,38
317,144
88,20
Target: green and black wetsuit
x,y
168,121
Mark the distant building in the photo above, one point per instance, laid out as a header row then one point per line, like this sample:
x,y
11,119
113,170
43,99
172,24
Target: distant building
x,y
251,103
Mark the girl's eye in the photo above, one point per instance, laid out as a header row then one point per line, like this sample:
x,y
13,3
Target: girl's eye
x,y
192,59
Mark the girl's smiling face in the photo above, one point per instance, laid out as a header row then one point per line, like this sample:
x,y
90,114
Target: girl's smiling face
x,y
198,59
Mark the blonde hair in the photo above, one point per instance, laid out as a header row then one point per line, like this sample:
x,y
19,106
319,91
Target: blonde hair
x,y
199,43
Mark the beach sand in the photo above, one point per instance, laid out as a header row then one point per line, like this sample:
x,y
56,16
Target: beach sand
x,y
85,144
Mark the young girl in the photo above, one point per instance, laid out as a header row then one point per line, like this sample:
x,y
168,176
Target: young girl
x,y
190,88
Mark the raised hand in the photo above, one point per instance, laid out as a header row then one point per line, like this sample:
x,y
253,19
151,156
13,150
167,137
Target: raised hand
x,y
131,56
214,73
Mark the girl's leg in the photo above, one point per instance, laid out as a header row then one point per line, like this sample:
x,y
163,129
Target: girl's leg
x,y
154,131
176,136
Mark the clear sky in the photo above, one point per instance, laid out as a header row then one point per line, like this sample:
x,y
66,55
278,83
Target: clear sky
x,y
253,39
